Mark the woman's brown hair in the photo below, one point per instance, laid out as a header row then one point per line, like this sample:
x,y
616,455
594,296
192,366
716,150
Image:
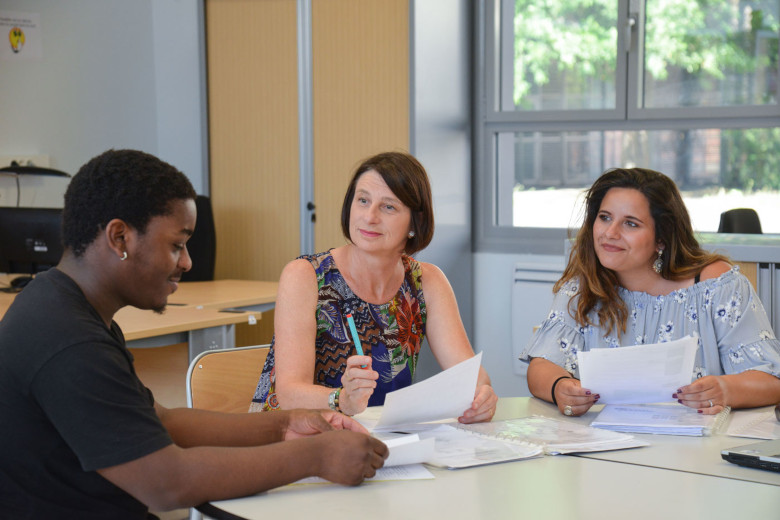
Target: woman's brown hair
x,y
683,257
406,178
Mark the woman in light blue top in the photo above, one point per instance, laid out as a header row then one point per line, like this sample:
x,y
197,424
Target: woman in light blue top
x,y
636,275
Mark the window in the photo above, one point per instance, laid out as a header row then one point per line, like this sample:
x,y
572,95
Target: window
x,y
569,88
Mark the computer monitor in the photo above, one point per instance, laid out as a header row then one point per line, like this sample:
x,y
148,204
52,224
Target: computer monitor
x,y
30,240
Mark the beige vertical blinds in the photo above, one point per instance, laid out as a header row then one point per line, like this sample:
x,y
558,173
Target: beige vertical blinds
x,y
253,132
360,98
360,107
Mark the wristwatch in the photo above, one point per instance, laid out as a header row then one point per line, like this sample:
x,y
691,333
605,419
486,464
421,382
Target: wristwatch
x,y
333,399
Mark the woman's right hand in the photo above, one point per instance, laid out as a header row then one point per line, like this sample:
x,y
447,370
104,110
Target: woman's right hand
x,y
358,383
569,392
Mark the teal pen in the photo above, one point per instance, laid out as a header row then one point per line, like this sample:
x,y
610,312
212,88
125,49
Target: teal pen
x,y
355,337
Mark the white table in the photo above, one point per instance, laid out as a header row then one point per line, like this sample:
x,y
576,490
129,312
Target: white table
x,y
621,484
671,452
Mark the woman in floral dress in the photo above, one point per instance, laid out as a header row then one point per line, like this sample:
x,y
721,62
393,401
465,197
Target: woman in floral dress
x,y
395,302
636,275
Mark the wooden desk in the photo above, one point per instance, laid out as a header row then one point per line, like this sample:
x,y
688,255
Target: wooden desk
x,y
562,487
226,294
201,329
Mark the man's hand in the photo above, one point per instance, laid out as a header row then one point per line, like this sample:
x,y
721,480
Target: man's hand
x,y
347,457
304,423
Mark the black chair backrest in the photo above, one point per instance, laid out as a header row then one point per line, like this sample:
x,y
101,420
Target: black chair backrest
x,y
202,245
740,220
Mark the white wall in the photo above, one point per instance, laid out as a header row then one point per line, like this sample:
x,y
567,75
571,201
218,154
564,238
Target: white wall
x,y
493,316
441,140
113,74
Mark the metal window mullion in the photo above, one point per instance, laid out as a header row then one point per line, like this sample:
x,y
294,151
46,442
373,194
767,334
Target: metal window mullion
x,y
305,128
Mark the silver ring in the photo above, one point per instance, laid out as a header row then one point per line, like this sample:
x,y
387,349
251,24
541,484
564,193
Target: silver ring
x,y
710,403
567,410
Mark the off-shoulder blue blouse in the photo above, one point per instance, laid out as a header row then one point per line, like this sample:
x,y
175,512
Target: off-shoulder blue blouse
x,y
724,313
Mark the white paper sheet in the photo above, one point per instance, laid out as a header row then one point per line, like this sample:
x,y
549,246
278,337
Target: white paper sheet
x,y
408,449
639,374
408,472
407,453
444,396
457,448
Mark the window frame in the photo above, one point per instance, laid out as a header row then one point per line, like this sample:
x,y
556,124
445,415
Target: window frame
x,y
490,122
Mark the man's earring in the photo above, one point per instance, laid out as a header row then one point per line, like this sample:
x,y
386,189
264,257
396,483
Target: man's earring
x,y
124,256
658,264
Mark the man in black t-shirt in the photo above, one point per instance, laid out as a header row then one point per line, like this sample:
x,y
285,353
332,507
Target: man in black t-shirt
x,y
82,437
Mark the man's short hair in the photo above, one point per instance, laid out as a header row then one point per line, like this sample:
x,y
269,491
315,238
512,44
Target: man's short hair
x,y
126,184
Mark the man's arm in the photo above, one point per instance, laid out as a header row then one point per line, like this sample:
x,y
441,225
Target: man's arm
x,y
176,477
191,427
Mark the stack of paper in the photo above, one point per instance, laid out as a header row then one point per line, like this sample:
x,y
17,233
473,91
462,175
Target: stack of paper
x,y
665,419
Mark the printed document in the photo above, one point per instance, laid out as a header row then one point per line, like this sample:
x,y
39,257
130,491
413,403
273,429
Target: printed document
x,y
639,374
444,396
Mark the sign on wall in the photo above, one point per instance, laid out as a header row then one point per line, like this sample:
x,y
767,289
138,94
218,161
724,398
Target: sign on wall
x,y
20,36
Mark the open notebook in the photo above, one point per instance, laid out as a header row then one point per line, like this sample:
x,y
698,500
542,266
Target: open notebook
x,y
464,445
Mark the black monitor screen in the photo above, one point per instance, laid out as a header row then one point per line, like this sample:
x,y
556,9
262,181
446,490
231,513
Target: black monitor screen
x,y
30,239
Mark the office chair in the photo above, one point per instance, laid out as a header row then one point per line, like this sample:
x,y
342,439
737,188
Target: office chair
x,y
202,245
739,220
224,381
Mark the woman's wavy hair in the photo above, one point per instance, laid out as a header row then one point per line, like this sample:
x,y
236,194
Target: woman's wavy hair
x,y
598,286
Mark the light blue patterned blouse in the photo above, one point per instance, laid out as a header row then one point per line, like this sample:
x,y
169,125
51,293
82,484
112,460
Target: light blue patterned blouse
x,y
724,313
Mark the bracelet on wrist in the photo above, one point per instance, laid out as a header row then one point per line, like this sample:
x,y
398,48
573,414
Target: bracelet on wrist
x,y
552,391
333,399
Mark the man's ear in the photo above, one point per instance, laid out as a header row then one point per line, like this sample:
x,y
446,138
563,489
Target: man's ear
x,y
117,233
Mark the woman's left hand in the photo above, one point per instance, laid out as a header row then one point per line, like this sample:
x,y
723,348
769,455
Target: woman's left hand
x,y
709,395
483,407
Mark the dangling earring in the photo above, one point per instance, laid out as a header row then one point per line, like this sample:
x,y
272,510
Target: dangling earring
x,y
124,256
658,264
411,234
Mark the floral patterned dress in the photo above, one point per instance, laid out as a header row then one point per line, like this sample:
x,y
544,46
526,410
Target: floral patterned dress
x,y
724,314
391,333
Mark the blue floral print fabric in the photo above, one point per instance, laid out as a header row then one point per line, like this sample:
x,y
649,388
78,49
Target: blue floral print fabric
x,y
724,314
392,333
